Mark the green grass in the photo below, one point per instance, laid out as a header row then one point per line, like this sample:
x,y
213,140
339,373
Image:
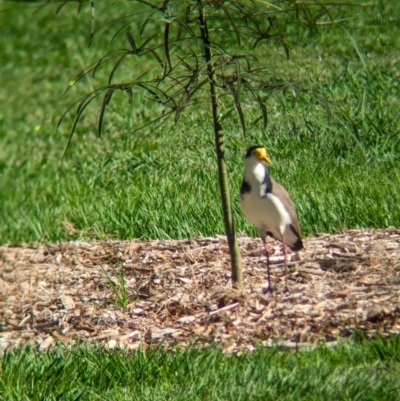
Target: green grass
x,y
351,371
343,173
164,184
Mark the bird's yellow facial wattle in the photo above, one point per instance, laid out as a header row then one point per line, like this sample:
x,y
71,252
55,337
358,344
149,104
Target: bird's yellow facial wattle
x,y
262,155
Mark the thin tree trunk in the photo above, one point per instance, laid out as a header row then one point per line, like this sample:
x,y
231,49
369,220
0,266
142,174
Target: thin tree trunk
x,y
236,262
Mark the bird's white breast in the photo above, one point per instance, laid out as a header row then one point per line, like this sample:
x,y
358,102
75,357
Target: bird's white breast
x,y
266,212
259,173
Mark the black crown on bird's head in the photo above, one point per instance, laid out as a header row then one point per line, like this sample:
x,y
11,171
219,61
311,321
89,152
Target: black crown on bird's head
x,y
253,148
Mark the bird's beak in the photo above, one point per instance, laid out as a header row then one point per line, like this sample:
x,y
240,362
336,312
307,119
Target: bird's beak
x,y
266,160
262,156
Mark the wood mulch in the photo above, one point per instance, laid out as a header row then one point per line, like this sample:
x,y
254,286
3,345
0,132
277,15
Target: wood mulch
x,y
179,292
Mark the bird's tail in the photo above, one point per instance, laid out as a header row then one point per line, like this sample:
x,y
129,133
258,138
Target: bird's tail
x,y
293,239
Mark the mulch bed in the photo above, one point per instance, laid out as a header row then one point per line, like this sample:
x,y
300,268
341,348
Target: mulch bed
x,y
179,292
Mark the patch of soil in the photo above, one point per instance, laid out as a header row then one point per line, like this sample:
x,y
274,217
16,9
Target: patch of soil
x,y
180,292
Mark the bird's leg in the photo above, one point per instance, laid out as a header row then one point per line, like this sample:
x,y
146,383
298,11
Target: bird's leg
x,y
269,289
286,267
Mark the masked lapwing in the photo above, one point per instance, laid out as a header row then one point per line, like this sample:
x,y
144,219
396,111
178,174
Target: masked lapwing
x,y
268,206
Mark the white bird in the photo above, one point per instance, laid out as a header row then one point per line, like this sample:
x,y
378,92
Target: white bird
x,y
268,206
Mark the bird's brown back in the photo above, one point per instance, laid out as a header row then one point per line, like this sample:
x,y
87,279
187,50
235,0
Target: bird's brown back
x,y
294,242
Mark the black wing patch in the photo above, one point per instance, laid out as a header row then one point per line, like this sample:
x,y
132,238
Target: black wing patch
x,y
266,185
245,188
